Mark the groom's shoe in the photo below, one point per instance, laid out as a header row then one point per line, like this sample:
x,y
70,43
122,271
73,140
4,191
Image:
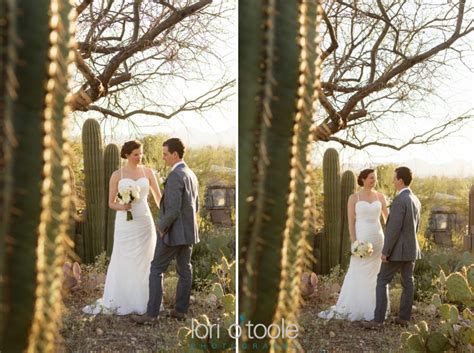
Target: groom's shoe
x,y
372,325
401,322
144,319
177,315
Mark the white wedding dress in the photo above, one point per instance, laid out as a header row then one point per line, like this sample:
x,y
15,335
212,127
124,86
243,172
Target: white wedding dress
x,y
126,285
357,297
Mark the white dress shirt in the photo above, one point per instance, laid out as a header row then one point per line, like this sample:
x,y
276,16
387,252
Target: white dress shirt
x,y
402,190
176,164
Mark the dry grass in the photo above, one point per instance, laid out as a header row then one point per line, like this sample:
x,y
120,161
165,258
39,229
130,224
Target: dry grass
x,y
319,335
113,333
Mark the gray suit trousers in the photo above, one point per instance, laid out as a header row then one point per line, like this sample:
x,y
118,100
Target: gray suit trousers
x,y
163,256
385,276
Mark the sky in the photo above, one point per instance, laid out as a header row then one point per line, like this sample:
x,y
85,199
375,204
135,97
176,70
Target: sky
x,y
219,126
452,156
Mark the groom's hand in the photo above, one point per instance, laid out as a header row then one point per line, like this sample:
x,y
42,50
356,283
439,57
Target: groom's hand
x,y
384,258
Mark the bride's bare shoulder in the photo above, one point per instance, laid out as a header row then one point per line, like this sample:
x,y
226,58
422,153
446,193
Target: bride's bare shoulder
x,y
115,173
353,197
148,170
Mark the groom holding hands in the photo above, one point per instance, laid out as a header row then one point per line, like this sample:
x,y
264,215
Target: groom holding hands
x,y
177,233
400,250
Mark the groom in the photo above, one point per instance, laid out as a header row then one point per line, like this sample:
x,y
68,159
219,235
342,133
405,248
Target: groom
x,y
400,250
177,233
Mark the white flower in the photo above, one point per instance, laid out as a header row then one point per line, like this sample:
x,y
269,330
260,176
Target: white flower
x,y
362,249
128,194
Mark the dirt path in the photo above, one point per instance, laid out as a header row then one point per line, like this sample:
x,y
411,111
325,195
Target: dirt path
x,y
319,335
112,333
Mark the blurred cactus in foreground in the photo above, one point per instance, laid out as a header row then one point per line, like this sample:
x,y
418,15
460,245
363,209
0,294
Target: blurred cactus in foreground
x,y
35,184
278,86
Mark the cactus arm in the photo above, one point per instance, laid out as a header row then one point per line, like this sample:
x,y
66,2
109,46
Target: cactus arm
x,y
260,283
348,182
330,252
273,226
38,227
8,93
111,163
27,174
94,188
251,34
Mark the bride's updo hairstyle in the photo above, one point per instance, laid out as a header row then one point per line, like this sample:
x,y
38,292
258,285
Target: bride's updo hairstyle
x,y
128,148
363,175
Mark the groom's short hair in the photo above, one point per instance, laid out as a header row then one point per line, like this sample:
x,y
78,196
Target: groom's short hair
x,y
405,174
174,144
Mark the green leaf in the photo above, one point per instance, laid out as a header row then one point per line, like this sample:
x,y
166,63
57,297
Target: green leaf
x,y
229,303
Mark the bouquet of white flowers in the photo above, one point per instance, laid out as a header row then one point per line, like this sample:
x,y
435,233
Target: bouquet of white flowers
x,y
362,249
129,194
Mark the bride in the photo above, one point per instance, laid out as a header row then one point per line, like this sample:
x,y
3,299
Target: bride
x,y
357,297
126,284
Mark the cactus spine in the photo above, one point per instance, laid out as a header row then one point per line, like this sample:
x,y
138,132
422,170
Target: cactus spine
x,y
331,242
111,163
277,71
94,188
348,187
37,225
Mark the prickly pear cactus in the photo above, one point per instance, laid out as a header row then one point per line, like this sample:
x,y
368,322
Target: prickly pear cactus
x,y
35,205
279,82
470,276
459,289
204,336
469,243
455,331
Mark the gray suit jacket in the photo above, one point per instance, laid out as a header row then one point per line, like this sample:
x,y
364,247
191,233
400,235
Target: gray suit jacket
x,y
177,218
403,223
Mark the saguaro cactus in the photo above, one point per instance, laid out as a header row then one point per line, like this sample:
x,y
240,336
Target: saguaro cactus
x,y
331,242
278,85
8,87
348,187
35,204
95,189
111,163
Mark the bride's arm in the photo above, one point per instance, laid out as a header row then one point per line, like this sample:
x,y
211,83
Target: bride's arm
x,y
351,217
113,189
384,207
155,189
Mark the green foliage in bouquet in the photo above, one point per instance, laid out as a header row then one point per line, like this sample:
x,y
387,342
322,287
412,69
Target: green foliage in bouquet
x,y
278,84
218,339
456,326
35,203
